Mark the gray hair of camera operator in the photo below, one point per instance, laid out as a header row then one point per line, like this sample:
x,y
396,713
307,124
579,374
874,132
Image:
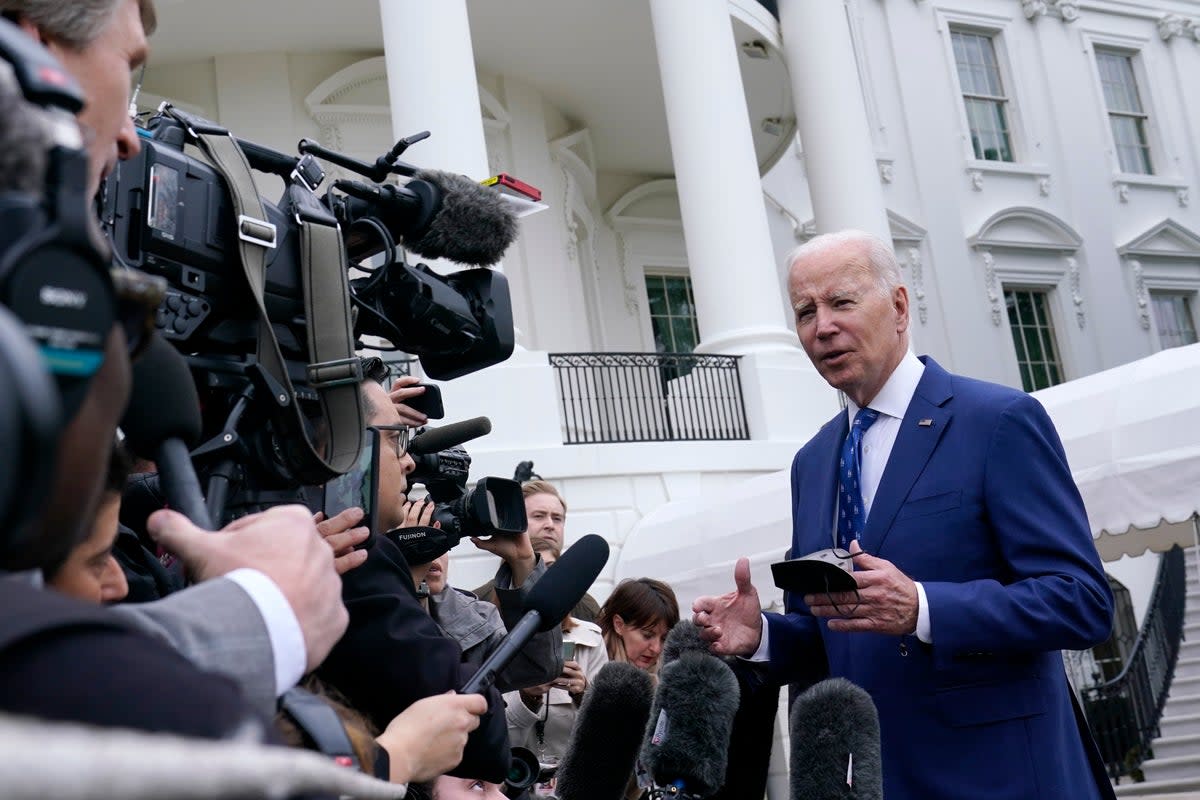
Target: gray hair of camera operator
x,y
23,139
76,23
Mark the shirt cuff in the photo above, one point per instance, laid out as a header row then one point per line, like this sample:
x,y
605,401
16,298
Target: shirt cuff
x,y
924,627
287,639
763,653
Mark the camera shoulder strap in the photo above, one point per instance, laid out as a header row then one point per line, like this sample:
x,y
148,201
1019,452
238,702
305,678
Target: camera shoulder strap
x,y
335,372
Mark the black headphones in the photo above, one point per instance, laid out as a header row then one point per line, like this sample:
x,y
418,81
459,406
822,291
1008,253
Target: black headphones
x,y
57,299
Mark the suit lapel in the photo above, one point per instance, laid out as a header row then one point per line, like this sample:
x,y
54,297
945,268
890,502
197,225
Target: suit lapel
x,y
924,422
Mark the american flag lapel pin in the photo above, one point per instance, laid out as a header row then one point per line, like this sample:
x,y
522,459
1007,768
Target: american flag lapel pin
x,y
926,423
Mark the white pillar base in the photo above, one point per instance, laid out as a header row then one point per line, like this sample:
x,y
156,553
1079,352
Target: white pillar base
x,y
786,399
761,339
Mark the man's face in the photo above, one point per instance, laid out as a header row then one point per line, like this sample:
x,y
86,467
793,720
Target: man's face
x,y
104,69
853,332
547,518
393,471
91,572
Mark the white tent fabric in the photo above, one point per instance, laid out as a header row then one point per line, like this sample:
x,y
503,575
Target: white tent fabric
x,y
1132,436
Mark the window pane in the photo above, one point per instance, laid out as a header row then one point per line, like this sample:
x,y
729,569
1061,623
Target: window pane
x,y
1033,338
672,313
1173,316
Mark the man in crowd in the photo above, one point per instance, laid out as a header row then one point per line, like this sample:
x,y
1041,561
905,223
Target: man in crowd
x,y
546,512
971,551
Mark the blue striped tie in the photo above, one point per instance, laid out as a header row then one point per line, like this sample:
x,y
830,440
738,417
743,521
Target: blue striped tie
x,y
851,514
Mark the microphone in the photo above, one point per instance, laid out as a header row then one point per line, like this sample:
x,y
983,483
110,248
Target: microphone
x,y
608,729
687,743
435,440
549,601
835,744
683,638
163,421
473,226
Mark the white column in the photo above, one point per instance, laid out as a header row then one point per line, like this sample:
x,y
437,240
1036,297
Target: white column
x,y
839,156
730,258
432,84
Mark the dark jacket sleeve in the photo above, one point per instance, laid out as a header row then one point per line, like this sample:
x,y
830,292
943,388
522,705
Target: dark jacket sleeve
x,y
394,654
540,661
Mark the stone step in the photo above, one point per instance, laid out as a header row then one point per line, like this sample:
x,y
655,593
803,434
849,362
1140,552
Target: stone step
x,y
1188,666
1162,790
1175,746
1183,687
1181,705
1178,768
1180,726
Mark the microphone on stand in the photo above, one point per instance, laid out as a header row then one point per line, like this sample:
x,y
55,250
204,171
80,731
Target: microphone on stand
x,y
835,744
603,747
686,749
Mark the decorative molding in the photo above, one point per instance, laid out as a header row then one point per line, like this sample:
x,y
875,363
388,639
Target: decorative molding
x,y
1166,240
993,287
632,305
1122,191
887,170
1182,197
912,260
1044,186
1026,228
1065,10
1076,296
976,177
1173,25
1140,292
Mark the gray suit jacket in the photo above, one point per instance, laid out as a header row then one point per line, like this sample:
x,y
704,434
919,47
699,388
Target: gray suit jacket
x,y
218,628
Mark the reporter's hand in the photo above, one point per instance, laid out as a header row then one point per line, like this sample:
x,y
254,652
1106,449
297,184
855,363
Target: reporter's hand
x,y
572,678
516,551
428,738
405,387
283,544
342,537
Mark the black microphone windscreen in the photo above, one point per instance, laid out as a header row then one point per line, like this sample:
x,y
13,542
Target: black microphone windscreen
x,y
835,744
603,746
473,226
683,638
163,404
435,440
688,736
567,580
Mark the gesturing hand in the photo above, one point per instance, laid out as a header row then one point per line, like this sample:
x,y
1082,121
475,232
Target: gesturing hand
x,y
732,623
886,600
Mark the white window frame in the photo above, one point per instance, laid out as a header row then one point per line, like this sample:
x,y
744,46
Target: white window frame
x,y
1051,292
1139,48
999,28
674,269
1189,289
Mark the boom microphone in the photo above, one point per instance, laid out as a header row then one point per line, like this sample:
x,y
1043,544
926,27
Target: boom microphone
x,y
604,742
835,744
549,601
473,226
435,440
687,742
163,420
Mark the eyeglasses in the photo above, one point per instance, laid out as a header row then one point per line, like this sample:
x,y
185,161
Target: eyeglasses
x,y
138,297
399,434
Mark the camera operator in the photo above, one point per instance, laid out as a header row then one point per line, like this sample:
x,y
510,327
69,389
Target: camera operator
x,y
393,653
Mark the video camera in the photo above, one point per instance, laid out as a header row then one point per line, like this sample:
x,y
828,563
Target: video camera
x,y
261,303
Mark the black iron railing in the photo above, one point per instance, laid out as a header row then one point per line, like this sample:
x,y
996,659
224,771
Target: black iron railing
x,y
1124,713
649,397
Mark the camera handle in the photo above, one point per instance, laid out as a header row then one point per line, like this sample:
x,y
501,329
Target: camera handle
x,y
386,164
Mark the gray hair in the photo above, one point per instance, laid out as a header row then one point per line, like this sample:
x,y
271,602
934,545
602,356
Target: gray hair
x,y
880,256
24,139
75,24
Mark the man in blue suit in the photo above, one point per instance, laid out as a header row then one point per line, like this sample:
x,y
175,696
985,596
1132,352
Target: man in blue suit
x,y
971,549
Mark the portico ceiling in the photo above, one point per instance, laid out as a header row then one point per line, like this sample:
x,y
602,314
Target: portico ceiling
x,y
596,62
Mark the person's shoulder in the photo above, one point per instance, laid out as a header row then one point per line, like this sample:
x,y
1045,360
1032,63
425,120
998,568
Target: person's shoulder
x,y
585,633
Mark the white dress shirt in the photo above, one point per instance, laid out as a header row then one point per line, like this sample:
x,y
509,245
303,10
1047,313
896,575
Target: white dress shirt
x,y
283,629
891,402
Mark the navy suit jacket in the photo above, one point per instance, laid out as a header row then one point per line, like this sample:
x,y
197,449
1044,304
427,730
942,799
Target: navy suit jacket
x,y
977,503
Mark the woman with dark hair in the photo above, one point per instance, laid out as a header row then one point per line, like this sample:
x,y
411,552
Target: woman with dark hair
x,y
635,620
